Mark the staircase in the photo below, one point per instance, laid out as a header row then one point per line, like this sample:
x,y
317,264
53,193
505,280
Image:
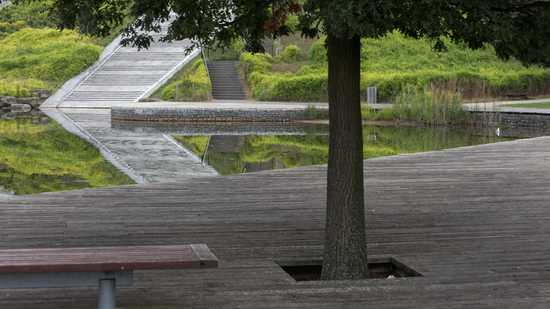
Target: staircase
x,y
226,84
223,143
268,47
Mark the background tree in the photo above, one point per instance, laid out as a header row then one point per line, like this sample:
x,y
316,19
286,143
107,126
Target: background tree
x,y
516,28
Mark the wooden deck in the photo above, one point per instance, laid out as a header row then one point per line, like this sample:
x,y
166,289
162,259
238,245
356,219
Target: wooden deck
x,y
474,221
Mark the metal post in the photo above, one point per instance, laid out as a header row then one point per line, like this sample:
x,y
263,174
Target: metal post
x,y
107,294
176,99
206,88
371,95
263,91
193,91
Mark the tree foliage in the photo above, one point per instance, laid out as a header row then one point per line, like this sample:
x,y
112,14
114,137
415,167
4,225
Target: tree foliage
x,y
516,28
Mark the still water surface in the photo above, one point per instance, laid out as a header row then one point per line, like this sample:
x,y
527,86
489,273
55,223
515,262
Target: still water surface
x,y
244,154
39,155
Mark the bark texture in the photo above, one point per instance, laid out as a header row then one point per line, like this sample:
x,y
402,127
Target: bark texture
x,y
345,255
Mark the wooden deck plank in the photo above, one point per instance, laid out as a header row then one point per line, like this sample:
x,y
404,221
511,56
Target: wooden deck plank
x,y
474,221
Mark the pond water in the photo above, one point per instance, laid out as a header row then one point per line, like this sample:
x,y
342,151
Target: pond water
x,y
39,155
230,154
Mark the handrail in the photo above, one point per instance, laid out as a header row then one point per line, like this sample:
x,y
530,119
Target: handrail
x,y
205,151
204,60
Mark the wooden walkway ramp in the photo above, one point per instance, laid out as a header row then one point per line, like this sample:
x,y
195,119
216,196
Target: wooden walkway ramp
x,y
474,221
144,157
124,76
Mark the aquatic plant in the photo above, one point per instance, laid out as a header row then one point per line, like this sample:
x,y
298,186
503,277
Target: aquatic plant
x,y
434,107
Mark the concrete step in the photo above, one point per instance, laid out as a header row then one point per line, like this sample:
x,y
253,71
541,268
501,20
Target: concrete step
x,y
230,98
230,94
266,43
223,143
225,80
227,88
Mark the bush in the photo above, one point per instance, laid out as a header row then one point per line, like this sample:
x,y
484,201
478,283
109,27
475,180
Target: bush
x,y
318,53
198,77
20,88
29,13
259,63
7,28
292,53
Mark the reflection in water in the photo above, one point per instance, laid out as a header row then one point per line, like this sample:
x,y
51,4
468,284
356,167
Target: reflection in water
x,y
243,154
40,156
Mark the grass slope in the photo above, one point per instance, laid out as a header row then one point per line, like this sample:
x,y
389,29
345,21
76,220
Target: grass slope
x,y
34,56
46,55
393,62
536,105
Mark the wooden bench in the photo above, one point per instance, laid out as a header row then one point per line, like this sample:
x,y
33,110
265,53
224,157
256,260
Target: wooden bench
x,y
105,267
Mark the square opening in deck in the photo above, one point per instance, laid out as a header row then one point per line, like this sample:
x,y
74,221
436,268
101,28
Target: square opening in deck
x,y
310,270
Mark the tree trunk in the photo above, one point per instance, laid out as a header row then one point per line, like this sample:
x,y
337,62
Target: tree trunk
x,y
345,255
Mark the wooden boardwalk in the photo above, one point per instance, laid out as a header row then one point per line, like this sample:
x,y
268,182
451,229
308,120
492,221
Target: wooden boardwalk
x,y
123,74
474,221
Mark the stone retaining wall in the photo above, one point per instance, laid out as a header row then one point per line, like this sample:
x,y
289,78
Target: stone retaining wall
x,y
513,119
525,120
262,115
218,128
172,114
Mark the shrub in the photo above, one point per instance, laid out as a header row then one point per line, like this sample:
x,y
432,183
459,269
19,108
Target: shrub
x,y
8,28
292,53
20,88
260,63
318,52
198,77
30,13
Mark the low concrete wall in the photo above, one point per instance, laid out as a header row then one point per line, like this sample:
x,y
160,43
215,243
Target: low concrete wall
x,y
174,114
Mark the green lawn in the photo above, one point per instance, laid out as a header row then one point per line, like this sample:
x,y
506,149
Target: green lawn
x,y
538,105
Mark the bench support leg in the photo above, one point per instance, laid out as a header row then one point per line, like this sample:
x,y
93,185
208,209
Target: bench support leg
x,y
107,294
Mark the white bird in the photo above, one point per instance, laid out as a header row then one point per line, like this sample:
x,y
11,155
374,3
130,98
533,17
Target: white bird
x,y
498,131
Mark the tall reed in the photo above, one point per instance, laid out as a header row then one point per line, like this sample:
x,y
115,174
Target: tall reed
x,y
431,106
